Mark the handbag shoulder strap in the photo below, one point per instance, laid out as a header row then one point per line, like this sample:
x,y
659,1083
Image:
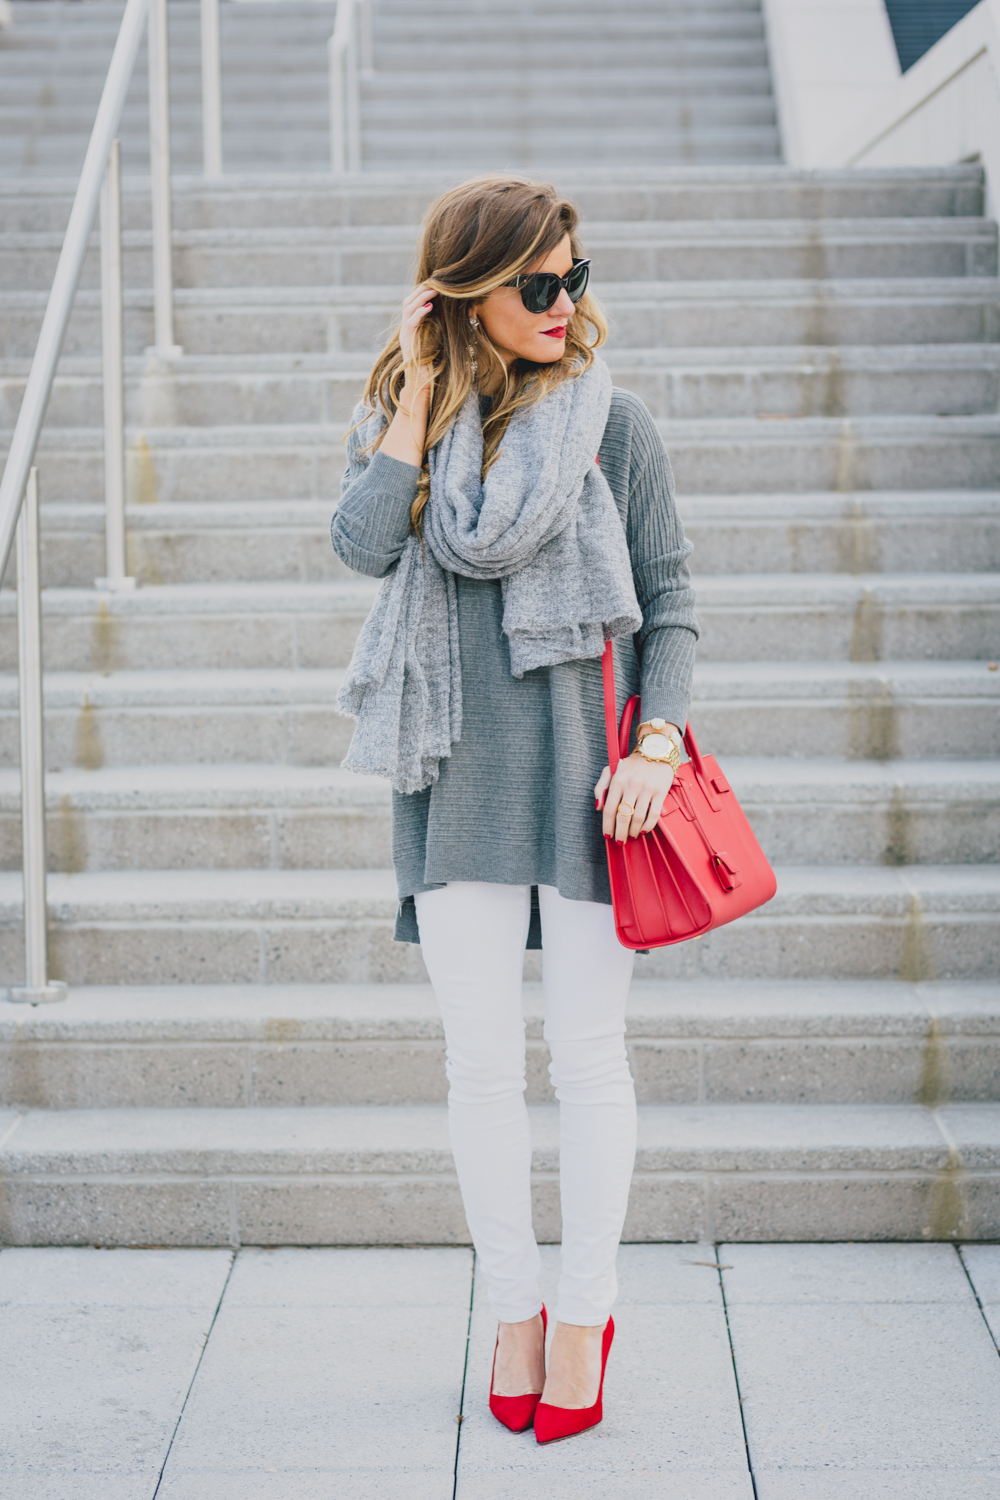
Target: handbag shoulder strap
x,y
610,704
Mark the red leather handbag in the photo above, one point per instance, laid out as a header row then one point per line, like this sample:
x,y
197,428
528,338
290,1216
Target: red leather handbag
x,y
700,867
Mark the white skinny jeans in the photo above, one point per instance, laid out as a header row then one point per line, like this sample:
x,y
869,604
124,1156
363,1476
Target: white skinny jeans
x,y
473,936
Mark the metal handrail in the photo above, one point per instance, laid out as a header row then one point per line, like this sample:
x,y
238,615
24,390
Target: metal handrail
x,y
38,988
211,89
99,182
352,56
67,278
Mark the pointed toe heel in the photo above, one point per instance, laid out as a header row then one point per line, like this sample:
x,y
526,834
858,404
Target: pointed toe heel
x,y
554,1422
515,1412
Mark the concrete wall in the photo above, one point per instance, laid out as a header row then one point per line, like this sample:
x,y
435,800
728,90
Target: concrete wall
x,y
842,100
945,109
832,63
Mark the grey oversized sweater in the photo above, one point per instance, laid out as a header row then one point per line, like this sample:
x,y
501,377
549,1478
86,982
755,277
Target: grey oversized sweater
x,y
514,802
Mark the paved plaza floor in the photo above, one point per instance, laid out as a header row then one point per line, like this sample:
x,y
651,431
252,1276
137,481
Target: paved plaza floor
x,y
781,1372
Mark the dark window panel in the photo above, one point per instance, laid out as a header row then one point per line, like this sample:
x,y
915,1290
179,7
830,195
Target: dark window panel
x,y
918,24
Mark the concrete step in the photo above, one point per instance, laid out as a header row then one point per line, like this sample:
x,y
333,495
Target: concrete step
x,y
287,15
866,532
65,16
829,617
625,193
228,816
668,315
637,251
441,56
303,141
248,31
824,453
940,380
860,710
541,28
692,1042
390,11
282,155
228,541
38,46
47,53
208,816
731,455
225,541
322,926
448,11
444,11
869,812
199,626
385,1175
226,389
467,149
891,311
30,97
483,101
708,46
877,711
744,617
667,40
131,718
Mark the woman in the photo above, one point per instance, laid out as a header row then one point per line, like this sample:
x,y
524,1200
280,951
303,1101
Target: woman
x,y
521,511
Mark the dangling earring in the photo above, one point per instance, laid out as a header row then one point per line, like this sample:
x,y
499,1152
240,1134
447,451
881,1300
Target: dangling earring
x,y
473,366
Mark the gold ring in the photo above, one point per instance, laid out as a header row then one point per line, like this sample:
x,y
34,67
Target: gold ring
x,y
631,809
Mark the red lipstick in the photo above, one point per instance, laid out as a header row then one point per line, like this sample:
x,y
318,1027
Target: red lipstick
x,y
555,333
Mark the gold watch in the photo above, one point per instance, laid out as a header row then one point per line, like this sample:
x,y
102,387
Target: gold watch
x,y
657,745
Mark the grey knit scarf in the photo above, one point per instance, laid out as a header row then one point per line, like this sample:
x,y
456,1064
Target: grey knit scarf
x,y
544,522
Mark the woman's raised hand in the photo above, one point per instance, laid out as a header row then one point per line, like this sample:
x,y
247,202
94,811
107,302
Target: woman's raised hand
x,y
633,797
408,429
416,307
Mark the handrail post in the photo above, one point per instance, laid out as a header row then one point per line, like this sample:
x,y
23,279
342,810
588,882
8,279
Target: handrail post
x,y
367,37
37,988
112,357
211,89
338,143
345,88
159,167
353,91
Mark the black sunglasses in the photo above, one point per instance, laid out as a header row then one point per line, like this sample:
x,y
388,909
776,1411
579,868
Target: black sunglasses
x,y
541,289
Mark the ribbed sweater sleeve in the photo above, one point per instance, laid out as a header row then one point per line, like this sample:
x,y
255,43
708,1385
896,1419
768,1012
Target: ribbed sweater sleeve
x,y
372,520
659,553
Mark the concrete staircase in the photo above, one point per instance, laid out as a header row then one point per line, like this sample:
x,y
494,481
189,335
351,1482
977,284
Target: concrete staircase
x,y
246,1056
464,83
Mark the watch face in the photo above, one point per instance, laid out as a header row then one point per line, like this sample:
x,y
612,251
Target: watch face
x,y
656,747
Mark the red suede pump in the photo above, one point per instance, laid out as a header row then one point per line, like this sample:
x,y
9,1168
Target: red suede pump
x,y
515,1412
553,1422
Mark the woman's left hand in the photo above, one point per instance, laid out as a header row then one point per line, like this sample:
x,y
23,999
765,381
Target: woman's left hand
x,y
633,797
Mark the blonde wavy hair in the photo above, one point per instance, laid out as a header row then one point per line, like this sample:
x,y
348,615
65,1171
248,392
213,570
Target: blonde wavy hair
x,y
473,240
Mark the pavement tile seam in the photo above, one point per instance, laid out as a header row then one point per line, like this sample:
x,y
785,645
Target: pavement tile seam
x,y
465,1375
721,1268
194,1374
993,1333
